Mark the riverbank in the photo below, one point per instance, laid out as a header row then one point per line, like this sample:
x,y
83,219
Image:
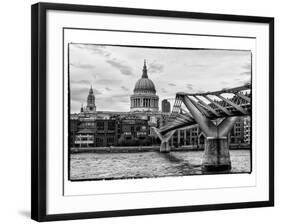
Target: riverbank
x,y
128,149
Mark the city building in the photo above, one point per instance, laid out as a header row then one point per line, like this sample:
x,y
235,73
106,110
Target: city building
x,y
92,128
237,132
106,132
134,131
247,130
192,138
74,124
166,106
144,97
84,138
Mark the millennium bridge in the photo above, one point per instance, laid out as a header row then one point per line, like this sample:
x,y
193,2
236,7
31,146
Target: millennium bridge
x,y
216,114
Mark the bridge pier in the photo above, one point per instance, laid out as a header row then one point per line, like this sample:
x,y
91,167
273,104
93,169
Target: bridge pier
x,y
216,155
165,147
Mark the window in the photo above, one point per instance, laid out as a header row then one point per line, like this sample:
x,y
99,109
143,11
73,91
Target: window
x,y
99,140
100,125
110,140
111,125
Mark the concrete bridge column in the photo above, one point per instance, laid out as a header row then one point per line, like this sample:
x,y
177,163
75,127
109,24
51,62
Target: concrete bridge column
x,y
216,155
165,147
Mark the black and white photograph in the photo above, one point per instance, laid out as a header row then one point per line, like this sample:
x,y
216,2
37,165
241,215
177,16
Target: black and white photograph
x,y
155,112
139,111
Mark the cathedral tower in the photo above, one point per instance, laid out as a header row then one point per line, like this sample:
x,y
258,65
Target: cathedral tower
x,y
91,106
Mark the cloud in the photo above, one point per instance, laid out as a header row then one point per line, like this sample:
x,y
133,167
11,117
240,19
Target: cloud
x,y
108,81
94,49
121,66
247,66
80,94
113,100
120,95
117,69
246,73
155,67
125,88
240,82
82,66
97,92
189,86
224,83
192,89
196,66
86,82
163,90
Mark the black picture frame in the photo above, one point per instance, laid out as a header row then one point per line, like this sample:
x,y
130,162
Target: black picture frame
x,y
39,108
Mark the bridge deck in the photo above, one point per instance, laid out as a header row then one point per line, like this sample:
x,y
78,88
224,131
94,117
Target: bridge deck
x,y
238,105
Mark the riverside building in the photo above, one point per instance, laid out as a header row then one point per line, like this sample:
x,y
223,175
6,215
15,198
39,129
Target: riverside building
x,y
93,128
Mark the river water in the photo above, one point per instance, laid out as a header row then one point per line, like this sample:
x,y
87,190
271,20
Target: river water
x,y
97,166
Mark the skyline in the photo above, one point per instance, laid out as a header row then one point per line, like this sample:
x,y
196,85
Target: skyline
x,y
113,71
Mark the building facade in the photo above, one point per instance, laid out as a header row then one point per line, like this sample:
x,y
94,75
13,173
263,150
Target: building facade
x,y
247,130
134,131
105,133
166,106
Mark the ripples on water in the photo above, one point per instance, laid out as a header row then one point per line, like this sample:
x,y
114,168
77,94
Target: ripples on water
x,y
98,166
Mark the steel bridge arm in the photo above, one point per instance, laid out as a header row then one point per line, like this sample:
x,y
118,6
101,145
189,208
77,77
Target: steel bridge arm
x,y
205,124
237,107
200,108
226,125
248,99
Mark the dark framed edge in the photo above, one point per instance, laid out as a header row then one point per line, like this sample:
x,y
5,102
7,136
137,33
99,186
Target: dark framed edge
x,y
38,110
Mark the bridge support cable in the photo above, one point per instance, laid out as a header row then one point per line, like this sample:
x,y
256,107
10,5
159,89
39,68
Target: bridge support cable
x,y
185,117
237,107
207,106
218,105
199,107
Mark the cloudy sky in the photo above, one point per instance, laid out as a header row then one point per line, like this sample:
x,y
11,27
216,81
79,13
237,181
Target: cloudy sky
x,y
114,70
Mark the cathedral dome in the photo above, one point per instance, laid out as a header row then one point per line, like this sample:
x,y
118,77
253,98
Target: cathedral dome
x,y
144,97
144,84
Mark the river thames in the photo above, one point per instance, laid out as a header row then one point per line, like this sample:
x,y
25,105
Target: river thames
x,y
98,166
